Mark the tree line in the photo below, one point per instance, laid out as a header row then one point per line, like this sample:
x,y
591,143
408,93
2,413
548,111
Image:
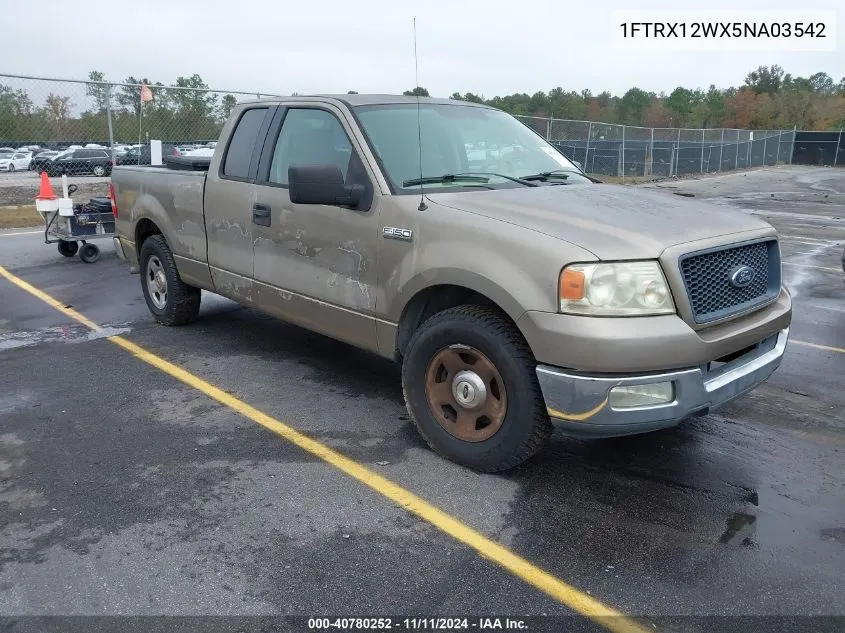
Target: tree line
x,y
770,98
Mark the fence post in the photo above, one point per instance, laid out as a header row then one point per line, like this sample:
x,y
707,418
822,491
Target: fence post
x,y
701,171
651,155
677,153
748,151
777,156
721,148
111,130
736,156
765,145
622,164
836,156
587,151
549,129
792,151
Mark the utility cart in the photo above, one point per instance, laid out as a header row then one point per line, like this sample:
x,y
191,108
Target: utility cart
x,y
92,220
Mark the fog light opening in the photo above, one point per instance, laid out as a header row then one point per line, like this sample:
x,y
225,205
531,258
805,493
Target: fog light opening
x,y
635,396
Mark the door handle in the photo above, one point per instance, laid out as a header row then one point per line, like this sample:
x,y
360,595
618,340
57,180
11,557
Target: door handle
x,y
261,214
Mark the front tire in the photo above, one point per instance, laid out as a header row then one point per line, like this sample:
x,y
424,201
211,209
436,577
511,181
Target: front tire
x,y
11,168
471,388
171,300
89,253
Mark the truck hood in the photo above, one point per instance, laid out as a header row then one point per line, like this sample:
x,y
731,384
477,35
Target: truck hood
x,y
611,221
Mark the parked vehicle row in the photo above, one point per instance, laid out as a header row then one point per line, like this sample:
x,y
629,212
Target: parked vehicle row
x,y
92,158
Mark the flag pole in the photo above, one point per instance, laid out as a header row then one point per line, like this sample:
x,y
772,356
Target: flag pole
x,y
140,117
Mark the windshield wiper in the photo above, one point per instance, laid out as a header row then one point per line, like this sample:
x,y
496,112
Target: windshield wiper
x,y
445,178
468,177
556,173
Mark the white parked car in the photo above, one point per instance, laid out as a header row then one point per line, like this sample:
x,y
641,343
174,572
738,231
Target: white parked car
x,y
10,161
202,151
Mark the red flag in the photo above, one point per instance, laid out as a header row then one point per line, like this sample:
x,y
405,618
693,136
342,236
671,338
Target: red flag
x,y
146,93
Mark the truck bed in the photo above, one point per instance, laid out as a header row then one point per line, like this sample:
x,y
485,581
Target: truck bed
x,y
171,198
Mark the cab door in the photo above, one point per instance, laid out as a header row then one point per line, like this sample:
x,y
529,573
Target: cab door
x,y
228,202
315,265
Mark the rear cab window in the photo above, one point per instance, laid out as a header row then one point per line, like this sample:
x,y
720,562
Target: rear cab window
x,y
240,154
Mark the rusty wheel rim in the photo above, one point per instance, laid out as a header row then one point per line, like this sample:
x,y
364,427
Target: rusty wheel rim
x,y
465,393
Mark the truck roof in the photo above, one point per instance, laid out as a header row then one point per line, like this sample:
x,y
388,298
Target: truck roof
x,y
370,99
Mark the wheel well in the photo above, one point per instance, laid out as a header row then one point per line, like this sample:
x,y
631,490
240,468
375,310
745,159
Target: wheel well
x,y
429,302
145,229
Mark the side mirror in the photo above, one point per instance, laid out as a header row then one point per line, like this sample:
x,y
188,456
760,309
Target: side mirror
x,y
322,184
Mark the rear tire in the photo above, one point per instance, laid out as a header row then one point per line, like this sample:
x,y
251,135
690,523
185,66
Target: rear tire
x,y
99,170
486,339
171,300
68,249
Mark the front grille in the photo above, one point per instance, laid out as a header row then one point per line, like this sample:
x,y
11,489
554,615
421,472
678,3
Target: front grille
x,y
707,277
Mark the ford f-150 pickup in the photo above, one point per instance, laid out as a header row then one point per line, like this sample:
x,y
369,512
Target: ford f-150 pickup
x,y
516,292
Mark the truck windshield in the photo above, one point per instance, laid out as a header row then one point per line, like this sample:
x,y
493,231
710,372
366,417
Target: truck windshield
x,y
457,139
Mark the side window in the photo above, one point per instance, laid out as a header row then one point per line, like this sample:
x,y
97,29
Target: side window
x,y
313,137
84,153
241,147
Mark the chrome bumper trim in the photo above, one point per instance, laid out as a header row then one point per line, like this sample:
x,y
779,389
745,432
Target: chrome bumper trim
x,y
580,403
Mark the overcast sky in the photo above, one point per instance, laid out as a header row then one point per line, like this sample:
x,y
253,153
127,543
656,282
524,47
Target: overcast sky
x,y
487,47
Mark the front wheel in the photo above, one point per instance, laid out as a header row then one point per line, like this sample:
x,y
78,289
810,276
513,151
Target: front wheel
x,y
11,167
171,300
89,253
471,388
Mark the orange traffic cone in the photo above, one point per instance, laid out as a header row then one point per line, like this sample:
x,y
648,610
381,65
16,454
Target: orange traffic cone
x,y
46,192
46,201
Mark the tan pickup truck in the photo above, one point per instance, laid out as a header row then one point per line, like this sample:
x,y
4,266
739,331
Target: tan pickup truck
x,y
514,290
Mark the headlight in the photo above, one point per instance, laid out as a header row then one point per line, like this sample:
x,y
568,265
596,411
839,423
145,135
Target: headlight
x,y
618,289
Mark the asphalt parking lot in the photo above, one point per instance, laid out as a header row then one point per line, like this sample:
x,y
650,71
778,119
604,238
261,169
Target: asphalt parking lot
x,y
125,491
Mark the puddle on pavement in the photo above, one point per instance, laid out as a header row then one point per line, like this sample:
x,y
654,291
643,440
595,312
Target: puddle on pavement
x,y
741,530
75,333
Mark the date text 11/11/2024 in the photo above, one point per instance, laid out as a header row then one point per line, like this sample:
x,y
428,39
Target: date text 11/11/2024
x,y
418,624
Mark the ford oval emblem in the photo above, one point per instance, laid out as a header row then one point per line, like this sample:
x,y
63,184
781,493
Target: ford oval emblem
x,y
741,276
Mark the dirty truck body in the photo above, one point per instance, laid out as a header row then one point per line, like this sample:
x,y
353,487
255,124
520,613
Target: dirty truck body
x,y
515,291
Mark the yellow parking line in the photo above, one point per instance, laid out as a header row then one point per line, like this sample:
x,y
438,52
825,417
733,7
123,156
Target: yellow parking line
x,y
827,348
572,597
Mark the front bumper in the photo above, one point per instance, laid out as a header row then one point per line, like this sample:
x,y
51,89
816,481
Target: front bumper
x,y
580,403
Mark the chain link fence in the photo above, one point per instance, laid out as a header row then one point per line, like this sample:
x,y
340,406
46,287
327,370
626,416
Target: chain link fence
x,y
55,114
625,151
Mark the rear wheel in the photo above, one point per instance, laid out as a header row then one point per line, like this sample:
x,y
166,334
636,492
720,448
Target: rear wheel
x,y
99,170
68,249
171,300
471,388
